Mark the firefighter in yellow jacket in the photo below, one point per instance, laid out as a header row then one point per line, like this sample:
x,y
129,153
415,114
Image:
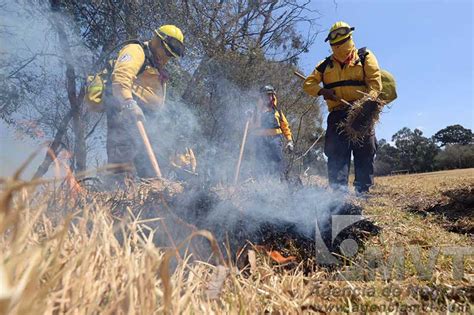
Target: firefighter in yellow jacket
x,y
269,128
138,85
347,70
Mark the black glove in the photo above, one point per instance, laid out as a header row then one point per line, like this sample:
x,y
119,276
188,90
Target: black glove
x,y
328,94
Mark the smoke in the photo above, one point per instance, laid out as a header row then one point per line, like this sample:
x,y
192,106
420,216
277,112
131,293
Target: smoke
x,y
32,76
210,200
212,128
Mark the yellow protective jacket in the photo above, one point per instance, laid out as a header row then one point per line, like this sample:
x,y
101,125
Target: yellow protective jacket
x,y
346,80
147,88
270,123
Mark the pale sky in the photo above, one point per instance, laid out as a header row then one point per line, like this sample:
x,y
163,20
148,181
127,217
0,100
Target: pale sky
x,y
426,44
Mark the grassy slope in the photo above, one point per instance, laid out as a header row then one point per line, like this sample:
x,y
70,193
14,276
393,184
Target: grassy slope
x,y
45,269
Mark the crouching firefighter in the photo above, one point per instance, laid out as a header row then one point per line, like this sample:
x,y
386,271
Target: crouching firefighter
x,y
347,70
270,128
131,88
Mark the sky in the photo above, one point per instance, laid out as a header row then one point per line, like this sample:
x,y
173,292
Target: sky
x,y
426,44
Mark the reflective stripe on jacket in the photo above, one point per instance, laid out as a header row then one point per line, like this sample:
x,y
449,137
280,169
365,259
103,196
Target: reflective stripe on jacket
x,y
147,87
346,80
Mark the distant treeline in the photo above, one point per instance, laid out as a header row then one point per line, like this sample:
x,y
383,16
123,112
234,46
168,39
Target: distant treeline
x,y
450,148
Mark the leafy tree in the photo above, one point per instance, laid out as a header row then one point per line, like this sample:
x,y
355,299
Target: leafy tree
x,y
232,48
386,159
416,152
455,156
455,134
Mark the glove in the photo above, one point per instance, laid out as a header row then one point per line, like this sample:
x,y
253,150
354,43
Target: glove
x,y
290,146
328,94
132,109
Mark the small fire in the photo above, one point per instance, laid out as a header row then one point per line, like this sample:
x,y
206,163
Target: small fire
x,y
70,180
275,255
279,258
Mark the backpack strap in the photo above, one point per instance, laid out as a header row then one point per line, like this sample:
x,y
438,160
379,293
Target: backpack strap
x,y
322,67
362,53
148,58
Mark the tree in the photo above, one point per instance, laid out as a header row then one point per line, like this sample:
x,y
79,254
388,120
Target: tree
x,y
386,159
455,156
416,153
232,48
455,134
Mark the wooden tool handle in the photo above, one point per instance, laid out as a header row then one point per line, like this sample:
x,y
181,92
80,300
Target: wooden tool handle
x,y
241,153
149,150
299,75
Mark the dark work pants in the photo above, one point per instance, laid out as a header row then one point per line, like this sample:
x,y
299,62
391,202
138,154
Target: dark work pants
x,y
269,154
338,149
124,145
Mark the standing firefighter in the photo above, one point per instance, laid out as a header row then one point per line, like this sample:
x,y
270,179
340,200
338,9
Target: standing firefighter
x,y
343,73
269,126
138,86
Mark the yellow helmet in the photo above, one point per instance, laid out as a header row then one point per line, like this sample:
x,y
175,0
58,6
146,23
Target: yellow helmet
x,y
338,32
172,39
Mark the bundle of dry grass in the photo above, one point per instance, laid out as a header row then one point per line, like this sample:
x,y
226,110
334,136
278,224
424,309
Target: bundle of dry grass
x,y
361,119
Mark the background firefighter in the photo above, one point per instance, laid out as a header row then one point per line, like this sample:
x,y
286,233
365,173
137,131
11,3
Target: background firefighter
x,y
138,87
269,128
342,74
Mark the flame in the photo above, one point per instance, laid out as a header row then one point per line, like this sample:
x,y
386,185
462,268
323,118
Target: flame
x,y
279,258
70,180
275,255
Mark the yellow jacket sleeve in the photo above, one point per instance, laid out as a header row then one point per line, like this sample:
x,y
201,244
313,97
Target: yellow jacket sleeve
x,y
373,78
129,62
311,84
285,127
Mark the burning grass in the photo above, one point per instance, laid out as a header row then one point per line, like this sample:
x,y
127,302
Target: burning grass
x,y
98,253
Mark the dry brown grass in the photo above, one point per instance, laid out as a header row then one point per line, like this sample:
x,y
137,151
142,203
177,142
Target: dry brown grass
x,y
62,255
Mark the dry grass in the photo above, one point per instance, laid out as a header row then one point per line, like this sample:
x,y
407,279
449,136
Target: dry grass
x,y
61,254
360,120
